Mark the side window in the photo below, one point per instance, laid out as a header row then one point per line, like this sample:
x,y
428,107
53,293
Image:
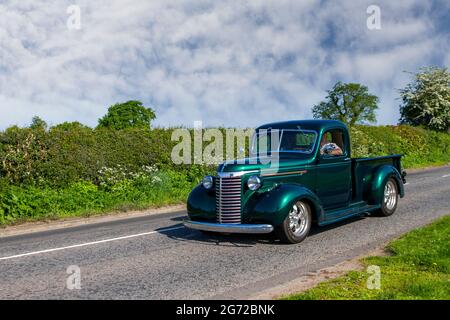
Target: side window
x,y
332,143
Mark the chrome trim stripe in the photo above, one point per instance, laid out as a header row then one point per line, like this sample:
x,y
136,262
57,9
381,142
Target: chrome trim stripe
x,y
301,172
235,174
229,228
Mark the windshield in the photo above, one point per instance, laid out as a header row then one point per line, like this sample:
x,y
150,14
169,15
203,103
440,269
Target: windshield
x,y
285,140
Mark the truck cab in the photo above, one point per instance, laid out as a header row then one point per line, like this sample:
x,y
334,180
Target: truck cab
x,y
299,173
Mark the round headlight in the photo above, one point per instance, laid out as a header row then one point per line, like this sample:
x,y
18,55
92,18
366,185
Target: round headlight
x,y
254,182
208,182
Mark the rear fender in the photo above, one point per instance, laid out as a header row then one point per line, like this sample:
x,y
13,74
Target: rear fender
x,y
380,177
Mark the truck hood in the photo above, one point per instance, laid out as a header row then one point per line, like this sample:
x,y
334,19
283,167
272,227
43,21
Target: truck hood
x,y
285,161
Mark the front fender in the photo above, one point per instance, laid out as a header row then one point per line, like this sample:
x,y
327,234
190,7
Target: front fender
x,y
380,177
274,205
201,204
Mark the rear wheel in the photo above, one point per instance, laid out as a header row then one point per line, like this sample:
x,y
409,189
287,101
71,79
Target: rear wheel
x,y
297,224
390,199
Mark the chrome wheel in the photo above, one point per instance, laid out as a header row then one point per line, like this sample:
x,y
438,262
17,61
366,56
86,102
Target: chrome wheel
x,y
390,195
296,225
389,198
298,218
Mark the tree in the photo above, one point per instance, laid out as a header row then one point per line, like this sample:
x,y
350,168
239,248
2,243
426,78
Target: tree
x,y
128,114
38,123
426,100
69,126
348,102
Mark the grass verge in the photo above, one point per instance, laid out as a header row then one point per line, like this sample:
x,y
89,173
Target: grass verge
x,y
24,204
418,268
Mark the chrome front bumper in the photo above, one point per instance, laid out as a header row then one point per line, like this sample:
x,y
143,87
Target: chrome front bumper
x,y
228,227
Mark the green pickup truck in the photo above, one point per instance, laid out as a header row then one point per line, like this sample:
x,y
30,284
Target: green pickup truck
x,y
315,180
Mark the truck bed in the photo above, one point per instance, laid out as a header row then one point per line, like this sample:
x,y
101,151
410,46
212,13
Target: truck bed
x,y
363,170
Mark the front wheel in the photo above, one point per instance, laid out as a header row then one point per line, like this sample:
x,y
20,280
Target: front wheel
x,y
297,224
390,199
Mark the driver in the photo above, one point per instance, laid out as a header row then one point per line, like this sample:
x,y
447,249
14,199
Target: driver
x,y
325,145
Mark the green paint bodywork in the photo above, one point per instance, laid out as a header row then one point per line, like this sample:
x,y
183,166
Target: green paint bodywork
x,y
334,187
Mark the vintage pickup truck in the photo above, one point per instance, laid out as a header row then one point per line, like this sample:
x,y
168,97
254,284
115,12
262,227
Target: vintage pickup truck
x,y
315,181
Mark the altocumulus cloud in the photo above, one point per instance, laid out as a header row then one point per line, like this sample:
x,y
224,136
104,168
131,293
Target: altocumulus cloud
x,y
233,63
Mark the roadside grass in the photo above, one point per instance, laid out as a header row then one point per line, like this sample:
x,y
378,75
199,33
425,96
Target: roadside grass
x,y
20,204
418,268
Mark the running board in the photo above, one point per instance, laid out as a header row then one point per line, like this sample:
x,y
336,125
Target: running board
x,y
342,214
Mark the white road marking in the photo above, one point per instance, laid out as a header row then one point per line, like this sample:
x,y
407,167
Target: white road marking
x,y
446,175
88,243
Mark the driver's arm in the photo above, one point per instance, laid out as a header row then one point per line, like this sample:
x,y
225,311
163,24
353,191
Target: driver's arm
x,y
337,150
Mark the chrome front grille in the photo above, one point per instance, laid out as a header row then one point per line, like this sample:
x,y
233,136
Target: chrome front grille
x,y
228,199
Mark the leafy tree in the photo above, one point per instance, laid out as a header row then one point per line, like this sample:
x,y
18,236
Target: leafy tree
x,y
426,100
38,123
68,126
128,114
350,103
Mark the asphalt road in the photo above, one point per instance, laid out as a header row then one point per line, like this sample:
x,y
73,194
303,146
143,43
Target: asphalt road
x,y
155,257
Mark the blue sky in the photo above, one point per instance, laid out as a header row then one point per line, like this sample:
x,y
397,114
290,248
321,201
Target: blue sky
x,y
232,63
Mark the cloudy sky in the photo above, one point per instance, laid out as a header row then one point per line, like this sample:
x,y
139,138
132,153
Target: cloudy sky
x,y
233,63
